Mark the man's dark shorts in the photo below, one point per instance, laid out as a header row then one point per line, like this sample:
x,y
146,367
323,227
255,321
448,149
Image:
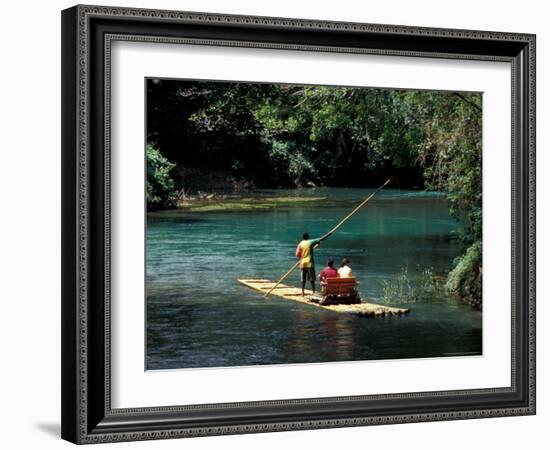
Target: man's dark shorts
x,y
308,273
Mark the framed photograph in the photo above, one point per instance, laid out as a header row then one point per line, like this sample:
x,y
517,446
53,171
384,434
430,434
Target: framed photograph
x,y
279,224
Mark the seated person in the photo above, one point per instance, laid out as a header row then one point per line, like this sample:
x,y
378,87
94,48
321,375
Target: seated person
x,y
329,271
345,270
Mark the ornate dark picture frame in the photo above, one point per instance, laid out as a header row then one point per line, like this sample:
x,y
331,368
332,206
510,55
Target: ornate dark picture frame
x,y
87,34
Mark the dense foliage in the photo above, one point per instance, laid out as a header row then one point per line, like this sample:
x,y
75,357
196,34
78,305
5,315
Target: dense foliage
x,y
234,135
160,191
450,153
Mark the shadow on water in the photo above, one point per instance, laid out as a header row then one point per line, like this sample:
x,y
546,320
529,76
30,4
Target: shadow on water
x,y
198,315
175,218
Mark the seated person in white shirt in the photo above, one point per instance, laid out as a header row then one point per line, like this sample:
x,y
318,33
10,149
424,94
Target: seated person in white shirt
x,y
345,270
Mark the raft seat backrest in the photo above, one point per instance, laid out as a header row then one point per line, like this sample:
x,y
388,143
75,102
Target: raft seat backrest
x,y
338,280
338,285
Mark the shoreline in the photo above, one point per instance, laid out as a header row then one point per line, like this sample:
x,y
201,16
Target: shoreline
x,y
224,200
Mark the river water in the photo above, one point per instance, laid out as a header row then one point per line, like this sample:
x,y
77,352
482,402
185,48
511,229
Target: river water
x,y
198,315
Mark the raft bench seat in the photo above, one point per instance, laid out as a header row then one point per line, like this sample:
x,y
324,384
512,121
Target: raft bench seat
x,y
338,291
339,286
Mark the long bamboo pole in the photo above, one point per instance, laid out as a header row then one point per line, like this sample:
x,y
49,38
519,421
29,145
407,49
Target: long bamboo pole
x,y
348,216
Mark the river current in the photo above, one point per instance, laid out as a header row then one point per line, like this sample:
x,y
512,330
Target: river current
x,y
198,315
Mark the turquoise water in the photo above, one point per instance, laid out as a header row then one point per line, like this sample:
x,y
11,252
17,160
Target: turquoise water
x,y
198,315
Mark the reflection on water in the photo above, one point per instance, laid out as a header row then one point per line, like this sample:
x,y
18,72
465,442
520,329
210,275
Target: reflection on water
x,y
199,316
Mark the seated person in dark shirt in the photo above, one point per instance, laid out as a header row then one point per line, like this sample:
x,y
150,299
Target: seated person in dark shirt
x,y
329,271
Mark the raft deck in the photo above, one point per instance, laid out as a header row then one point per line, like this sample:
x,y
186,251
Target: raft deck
x,y
295,294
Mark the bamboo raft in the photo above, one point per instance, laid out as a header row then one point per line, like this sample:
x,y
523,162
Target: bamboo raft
x,y
295,294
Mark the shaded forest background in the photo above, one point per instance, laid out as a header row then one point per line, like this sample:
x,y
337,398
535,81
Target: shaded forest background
x,y
212,136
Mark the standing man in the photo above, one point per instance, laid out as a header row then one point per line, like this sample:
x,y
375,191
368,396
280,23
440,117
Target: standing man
x,y
304,252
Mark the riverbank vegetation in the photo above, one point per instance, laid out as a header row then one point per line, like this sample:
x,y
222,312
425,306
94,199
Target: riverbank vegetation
x,y
227,203
211,136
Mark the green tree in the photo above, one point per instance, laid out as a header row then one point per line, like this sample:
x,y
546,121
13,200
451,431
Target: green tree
x,y
450,153
161,191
